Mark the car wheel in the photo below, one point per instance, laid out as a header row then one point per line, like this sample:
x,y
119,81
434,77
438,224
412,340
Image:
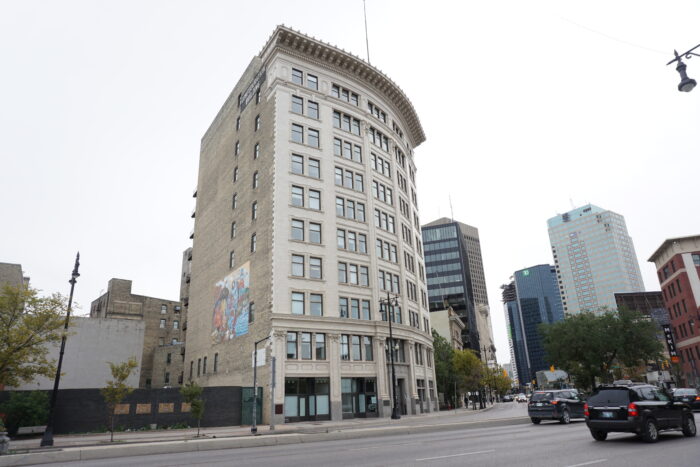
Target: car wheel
x,y
565,417
651,431
536,421
689,428
599,435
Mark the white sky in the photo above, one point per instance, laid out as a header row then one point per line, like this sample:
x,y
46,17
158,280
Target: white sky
x,y
527,106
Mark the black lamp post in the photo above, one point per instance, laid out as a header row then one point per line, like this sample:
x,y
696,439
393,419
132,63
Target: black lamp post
x,y
686,84
389,304
47,439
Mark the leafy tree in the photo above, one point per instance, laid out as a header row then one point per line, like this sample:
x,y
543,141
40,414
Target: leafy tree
x,y
444,376
117,389
25,408
192,394
468,370
587,345
29,324
501,383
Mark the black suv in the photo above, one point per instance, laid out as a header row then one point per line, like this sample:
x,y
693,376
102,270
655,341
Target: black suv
x,y
561,404
642,409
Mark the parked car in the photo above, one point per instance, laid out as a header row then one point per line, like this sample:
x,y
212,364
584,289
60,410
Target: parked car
x,y
561,404
521,398
688,395
508,398
642,409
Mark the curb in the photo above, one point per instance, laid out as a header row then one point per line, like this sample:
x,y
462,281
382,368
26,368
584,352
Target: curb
x,y
169,447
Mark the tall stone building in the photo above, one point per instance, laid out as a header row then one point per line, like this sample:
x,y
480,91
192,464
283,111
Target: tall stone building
x,y
12,275
306,217
456,278
163,325
594,257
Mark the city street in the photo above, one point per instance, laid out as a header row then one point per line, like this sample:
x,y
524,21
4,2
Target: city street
x,y
549,444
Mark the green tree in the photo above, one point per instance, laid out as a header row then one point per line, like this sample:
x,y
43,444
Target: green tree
x,y
444,377
192,394
25,408
501,382
468,370
29,324
587,345
117,389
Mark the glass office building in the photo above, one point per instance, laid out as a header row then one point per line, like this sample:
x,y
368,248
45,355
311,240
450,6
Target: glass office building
x,y
531,299
594,257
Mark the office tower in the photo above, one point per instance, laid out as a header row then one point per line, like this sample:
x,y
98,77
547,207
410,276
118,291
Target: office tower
x,y
306,217
594,257
455,274
531,299
677,263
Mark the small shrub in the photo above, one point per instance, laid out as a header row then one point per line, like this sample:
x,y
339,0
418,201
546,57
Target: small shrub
x,y
25,408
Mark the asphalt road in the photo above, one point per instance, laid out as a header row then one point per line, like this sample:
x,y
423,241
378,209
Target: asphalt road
x,y
548,444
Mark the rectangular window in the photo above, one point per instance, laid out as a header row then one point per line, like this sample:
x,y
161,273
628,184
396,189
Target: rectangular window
x,y
297,105
297,196
355,308
367,341
316,304
343,307
257,122
320,346
314,168
341,238
356,348
253,243
251,312
314,232
315,199
297,164
366,312
256,151
232,259
297,303
312,82
315,268
313,138
216,362
297,133
254,210
297,230
297,76
176,324
298,265
312,109
344,347
204,366
306,346
291,346
342,273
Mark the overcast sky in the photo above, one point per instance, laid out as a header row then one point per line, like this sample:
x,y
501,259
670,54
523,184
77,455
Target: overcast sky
x,y
528,108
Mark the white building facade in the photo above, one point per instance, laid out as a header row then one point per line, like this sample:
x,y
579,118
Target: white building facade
x,y
306,218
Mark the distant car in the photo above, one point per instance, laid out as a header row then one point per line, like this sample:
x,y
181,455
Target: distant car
x,y
642,409
508,398
688,395
521,397
562,405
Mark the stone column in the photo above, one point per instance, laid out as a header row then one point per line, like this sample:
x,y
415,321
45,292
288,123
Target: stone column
x,y
411,391
334,377
279,340
383,379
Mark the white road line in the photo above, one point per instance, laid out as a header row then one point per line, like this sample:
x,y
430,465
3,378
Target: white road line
x,y
587,463
455,455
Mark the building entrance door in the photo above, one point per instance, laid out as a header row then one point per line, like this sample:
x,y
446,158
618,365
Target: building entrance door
x,y
401,383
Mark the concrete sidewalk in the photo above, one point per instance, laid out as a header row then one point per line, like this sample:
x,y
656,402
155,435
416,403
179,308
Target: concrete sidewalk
x,y
84,447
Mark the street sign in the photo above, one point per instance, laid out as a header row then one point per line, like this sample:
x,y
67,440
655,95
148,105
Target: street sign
x,y
670,343
261,357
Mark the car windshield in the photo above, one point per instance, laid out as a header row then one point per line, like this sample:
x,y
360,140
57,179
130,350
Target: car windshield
x,y
685,392
610,396
542,396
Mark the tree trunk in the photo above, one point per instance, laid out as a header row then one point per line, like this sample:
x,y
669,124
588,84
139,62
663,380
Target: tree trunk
x,y
111,425
199,421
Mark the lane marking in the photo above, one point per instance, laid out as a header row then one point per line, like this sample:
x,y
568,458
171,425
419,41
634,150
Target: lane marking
x,y
457,455
588,463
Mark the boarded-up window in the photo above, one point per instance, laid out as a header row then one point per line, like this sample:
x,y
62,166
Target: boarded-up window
x,y
185,407
122,409
143,408
164,407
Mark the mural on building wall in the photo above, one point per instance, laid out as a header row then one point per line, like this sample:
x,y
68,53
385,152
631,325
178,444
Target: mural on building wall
x,y
230,316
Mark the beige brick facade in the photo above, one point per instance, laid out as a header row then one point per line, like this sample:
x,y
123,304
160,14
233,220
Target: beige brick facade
x,y
344,380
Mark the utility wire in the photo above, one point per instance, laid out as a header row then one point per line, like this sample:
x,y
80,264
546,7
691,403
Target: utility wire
x,y
608,36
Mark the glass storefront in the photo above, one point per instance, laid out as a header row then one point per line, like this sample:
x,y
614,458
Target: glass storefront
x,y
359,396
306,399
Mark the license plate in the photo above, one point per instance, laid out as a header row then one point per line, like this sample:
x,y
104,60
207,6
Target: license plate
x,y
686,399
607,415
539,404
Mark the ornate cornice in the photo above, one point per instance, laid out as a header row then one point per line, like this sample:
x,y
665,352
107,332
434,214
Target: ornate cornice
x,y
341,61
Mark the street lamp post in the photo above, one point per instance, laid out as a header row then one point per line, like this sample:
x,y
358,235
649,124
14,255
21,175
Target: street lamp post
x,y
254,426
390,302
686,84
47,438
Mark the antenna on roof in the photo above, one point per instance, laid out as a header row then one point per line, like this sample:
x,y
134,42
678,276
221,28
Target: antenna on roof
x,y
452,214
572,203
364,6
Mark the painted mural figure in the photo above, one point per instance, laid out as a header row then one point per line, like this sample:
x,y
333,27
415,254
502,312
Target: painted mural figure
x,y
231,310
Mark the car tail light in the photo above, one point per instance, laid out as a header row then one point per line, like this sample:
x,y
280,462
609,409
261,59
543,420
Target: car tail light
x,y
632,410
554,402
697,398
585,410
